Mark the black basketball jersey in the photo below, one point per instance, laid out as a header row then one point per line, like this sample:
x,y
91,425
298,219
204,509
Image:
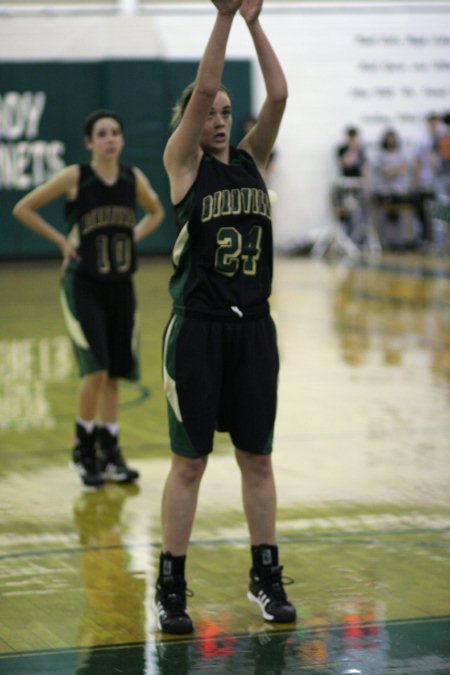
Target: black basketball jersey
x,y
100,223
223,256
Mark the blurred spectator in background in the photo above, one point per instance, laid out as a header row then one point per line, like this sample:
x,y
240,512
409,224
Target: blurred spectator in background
x,y
349,193
351,156
394,196
443,152
426,164
441,208
392,169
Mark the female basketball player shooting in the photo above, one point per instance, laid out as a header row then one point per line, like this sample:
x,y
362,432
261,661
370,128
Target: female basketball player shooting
x,y
220,351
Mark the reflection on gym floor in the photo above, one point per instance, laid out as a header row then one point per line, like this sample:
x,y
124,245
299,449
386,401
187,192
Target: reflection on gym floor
x,y
362,466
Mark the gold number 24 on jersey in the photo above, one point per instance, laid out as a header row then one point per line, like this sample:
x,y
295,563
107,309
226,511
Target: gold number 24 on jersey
x,y
234,249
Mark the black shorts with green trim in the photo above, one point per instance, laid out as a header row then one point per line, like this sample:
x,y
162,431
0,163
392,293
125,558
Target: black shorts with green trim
x,y
101,318
220,375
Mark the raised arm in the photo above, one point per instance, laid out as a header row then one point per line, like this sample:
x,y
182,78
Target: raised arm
x,y
183,153
261,138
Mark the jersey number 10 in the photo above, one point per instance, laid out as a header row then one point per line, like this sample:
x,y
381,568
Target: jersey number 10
x,y
115,257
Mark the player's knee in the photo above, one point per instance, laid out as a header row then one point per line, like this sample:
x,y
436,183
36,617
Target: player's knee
x,y
97,379
188,471
254,466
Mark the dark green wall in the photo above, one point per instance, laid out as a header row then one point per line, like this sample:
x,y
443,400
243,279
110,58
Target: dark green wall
x,y
32,147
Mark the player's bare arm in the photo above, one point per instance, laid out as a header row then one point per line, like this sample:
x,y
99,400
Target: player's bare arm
x,y
183,153
148,199
27,209
260,140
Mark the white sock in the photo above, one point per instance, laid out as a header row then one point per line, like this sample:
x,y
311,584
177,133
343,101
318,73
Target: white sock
x,y
88,425
112,427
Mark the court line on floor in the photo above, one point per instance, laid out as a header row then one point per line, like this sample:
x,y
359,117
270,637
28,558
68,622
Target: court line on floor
x,y
352,538
299,629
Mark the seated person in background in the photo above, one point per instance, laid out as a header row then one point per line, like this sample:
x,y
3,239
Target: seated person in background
x,y
393,185
426,161
348,193
441,208
351,156
443,157
393,169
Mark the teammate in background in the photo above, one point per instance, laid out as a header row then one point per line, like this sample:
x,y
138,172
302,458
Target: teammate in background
x,y
220,352
97,291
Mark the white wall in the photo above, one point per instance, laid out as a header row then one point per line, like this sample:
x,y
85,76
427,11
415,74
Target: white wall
x,y
371,64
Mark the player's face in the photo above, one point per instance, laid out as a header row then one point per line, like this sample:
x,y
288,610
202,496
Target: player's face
x,y
216,132
106,141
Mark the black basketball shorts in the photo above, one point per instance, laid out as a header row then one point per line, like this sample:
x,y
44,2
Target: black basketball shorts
x,y
220,375
101,319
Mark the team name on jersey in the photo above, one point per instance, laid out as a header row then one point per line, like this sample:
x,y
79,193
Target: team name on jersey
x,y
107,216
234,202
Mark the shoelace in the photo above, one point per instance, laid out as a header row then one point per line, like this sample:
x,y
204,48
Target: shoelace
x,y
114,456
176,596
273,584
89,462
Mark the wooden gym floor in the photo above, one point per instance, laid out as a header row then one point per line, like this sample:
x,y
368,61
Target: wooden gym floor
x,y
362,466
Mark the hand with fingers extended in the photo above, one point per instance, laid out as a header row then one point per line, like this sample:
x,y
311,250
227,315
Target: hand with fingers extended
x,y
69,253
227,6
250,10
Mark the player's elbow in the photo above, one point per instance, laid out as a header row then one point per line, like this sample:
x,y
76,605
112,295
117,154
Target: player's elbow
x,y
160,214
281,97
18,210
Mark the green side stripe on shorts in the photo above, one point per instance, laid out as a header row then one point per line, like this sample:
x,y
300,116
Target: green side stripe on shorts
x,y
73,325
182,261
169,382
